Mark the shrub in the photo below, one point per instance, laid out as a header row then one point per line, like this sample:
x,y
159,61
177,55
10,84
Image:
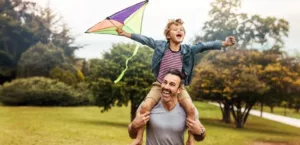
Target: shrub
x,y
67,73
63,75
40,91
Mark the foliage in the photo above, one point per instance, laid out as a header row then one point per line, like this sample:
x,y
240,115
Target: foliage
x,y
39,91
133,87
230,78
65,76
242,77
22,25
39,60
248,30
67,73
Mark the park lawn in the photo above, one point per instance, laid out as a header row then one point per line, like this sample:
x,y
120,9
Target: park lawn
x,y
88,126
280,111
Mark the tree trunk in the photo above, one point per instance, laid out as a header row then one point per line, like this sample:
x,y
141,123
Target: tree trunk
x,y
226,115
271,107
133,111
285,110
261,109
247,111
239,116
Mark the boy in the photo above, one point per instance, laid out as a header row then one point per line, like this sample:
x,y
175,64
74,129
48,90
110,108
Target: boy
x,y
171,54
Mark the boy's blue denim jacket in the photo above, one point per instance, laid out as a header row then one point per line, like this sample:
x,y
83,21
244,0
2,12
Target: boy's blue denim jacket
x,y
188,53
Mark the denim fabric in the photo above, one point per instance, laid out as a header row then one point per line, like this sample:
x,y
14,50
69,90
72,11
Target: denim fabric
x,y
188,53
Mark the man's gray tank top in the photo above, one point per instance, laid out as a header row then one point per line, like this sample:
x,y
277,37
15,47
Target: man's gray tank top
x,y
166,127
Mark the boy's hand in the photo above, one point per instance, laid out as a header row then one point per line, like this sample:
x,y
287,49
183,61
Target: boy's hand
x,y
229,41
122,32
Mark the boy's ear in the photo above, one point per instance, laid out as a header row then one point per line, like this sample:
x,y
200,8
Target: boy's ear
x,y
168,36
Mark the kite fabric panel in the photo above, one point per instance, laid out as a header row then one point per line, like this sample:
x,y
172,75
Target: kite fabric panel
x,y
130,19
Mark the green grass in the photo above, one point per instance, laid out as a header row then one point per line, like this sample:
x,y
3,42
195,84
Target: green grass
x,y
87,126
280,111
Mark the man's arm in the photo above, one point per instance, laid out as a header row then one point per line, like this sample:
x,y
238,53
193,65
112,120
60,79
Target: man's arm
x,y
137,37
201,136
197,129
213,45
139,121
132,131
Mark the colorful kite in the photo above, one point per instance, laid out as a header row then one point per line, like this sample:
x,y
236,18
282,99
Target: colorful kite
x,y
129,19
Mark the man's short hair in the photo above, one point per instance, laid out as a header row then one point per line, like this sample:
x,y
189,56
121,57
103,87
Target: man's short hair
x,y
178,73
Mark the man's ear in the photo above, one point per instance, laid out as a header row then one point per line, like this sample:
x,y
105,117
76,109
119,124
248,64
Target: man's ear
x,y
179,89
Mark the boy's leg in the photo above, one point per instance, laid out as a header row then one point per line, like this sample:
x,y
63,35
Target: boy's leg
x,y
151,99
186,102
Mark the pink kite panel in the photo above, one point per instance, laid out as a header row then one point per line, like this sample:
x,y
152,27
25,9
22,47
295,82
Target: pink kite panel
x,y
105,24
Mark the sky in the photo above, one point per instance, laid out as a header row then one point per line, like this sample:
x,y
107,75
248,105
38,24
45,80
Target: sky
x,y
80,15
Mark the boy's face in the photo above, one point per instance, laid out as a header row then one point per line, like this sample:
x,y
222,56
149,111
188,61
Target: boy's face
x,y
176,33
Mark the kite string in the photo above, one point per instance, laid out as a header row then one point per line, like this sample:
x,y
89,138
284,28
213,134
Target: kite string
x,y
127,60
126,64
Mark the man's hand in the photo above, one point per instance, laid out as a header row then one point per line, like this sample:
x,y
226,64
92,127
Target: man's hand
x,y
122,32
140,120
229,41
194,126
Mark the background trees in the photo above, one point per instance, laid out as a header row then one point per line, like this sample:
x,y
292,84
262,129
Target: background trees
x,y
132,88
22,25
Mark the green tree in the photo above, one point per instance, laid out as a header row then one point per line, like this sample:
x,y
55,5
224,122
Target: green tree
x,y
23,24
132,88
15,36
248,30
39,60
230,78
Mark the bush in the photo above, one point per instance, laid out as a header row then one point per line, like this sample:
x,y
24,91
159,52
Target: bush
x,y
40,91
67,73
63,75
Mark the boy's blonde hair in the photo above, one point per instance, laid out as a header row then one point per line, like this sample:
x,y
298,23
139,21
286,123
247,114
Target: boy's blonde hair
x,y
170,23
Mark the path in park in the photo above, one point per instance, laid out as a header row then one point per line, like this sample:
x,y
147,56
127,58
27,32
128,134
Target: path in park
x,y
282,119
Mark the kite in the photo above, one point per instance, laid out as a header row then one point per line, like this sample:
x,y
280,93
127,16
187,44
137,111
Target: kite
x,y
129,19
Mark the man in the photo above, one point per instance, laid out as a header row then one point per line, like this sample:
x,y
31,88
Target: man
x,y
172,53
167,120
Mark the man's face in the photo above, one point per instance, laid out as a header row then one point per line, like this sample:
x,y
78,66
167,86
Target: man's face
x,y
176,33
170,87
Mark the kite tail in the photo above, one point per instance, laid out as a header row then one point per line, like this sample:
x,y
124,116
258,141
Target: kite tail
x,y
123,72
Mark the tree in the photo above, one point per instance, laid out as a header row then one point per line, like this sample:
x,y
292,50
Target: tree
x,y
212,86
248,30
132,88
39,60
15,37
230,78
23,24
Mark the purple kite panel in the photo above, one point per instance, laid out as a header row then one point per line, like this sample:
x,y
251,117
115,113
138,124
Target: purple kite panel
x,y
122,15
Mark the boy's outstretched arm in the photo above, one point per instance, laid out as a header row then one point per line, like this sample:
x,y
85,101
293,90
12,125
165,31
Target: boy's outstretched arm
x,y
137,37
213,45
